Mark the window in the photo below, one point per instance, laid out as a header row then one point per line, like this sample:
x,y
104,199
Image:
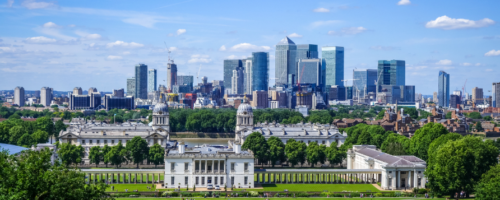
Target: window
x,y
403,172
97,142
83,142
390,182
419,181
232,166
105,141
246,166
172,167
90,142
323,142
246,180
197,179
202,180
186,166
215,180
222,180
186,180
172,180
112,141
232,180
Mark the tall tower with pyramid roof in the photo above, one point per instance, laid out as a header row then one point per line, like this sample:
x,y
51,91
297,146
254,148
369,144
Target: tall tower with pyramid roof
x,y
285,66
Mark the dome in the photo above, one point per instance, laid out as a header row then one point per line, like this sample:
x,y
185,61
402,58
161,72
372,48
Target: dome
x,y
160,108
244,109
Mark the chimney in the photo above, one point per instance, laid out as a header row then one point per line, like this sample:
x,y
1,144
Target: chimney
x,y
401,111
237,147
182,148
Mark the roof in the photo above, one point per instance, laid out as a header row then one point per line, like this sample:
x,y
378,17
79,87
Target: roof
x,y
12,149
390,159
285,41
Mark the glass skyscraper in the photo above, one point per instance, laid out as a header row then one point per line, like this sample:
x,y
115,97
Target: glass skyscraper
x,y
333,64
141,81
364,82
229,66
306,51
285,62
391,72
131,86
260,71
495,95
443,89
407,93
152,80
309,71
185,80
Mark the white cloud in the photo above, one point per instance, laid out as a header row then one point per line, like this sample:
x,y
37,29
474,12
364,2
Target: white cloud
x,y
324,23
173,49
404,2
322,10
446,23
466,64
489,70
492,53
478,64
181,31
197,58
87,36
124,44
170,35
50,25
32,4
294,35
444,62
348,31
249,47
40,40
9,3
111,57
222,48
236,57
126,53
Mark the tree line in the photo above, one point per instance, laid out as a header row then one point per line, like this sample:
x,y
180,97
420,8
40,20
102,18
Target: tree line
x,y
27,133
135,151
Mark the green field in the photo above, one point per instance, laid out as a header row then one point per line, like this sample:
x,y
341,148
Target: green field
x,y
378,198
317,187
130,187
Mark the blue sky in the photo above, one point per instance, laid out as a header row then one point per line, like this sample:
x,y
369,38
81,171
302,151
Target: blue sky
x,y
64,44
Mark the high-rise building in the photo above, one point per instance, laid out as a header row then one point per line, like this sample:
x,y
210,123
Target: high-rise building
x,y
19,96
306,51
171,76
391,72
78,101
407,93
454,101
229,67
248,76
444,89
285,62
477,95
495,95
37,94
259,71
260,99
185,80
333,63
309,72
435,97
77,91
119,92
131,86
152,82
237,81
364,82
46,96
112,102
141,81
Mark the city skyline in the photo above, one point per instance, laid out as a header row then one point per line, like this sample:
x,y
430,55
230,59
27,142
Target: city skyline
x,y
96,51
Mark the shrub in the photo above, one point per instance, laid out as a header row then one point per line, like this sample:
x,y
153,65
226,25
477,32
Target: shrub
x,y
379,195
338,195
397,194
302,195
422,191
254,193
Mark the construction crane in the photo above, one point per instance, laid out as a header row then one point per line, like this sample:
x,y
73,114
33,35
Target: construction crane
x,y
300,77
376,87
463,91
198,75
168,51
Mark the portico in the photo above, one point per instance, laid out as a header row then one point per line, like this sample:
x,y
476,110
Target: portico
x,y
122,176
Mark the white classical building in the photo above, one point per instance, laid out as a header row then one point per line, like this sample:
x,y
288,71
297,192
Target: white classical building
x,y
306,132
396,172
208,165
90,134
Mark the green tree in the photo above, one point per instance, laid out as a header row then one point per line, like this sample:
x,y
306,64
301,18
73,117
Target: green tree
x,y
295,152
396,138
59,126
117,155
45,124
395,148
95,155
479,127
256,143
334,155
458,165
105,158
15,133
138,149
487,118
157,154
40,137
380,115
315,153
475,115
26,140
448,115
276,150
419,143
488,186
70,154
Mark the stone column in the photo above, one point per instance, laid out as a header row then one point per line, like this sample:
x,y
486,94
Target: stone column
x,y
415,179
409,180
399,180
141,176
147,177
218,166
206,166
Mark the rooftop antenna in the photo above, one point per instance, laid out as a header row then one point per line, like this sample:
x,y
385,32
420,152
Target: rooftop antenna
x,y
198,75
168,51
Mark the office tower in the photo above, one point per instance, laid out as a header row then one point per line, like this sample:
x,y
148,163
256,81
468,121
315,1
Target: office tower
x,y
260,71
444,89
309,72
119,92
204,80
435,97
391,72
454,101
306,51
285,62
19,96
37,94
77,91
185,80
336,92
477,95
112,102
237,81
495,95
218,82
390,94
141,81
152,82
248,76
333,63
46,96
171,76
407,93
79,101
229,67
466,96
364,82
349,92
91,90
260,99
131,86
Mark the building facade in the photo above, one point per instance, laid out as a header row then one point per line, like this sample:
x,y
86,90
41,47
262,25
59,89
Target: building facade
x,y
391,72
248,76
141,81
46,96
237,81
363,82
306,51
285,61
309,72
131,86
333,63
259,71
119,92
19,98
495,95
229,67
152,82
444,89
112,102
79,101
477,95
171,76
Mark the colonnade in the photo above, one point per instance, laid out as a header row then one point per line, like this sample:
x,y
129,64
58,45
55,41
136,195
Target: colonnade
x,y
209,166
117,178
312,178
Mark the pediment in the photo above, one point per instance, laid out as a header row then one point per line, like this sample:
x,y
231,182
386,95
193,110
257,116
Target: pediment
x,y
157,136
66,135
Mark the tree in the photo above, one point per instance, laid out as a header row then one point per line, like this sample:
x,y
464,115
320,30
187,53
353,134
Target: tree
x,y
60,126
256,143
26,140
475,115
458,165
15,133
380,115
105,158
479,127
295,152
276,150
334,155
315,153
157,154
45,124
419,143
117,155
488,186
487,118
138,149
70,154
395,148
396,138
95,155
40,137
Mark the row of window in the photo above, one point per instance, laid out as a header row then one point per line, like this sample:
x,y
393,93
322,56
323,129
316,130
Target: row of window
x,y
105,142
186,166
209,180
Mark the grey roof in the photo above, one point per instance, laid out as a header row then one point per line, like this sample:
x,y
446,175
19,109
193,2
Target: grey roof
x,y
244,108
160,107
285,41
12,149
390,159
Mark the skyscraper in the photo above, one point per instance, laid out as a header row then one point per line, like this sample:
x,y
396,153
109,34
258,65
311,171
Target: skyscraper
x,y
19,96
495,95
152,80
285,62
171,76
477,95
309,71
131,86
45,96
443,89
77,91
237,81
364,82
435,97
185,80
391,72
248,76
141,81
306,51
259,71
229,67
333,63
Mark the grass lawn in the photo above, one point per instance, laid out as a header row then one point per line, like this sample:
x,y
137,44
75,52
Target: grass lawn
x,y
130,187
337,198
317,187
